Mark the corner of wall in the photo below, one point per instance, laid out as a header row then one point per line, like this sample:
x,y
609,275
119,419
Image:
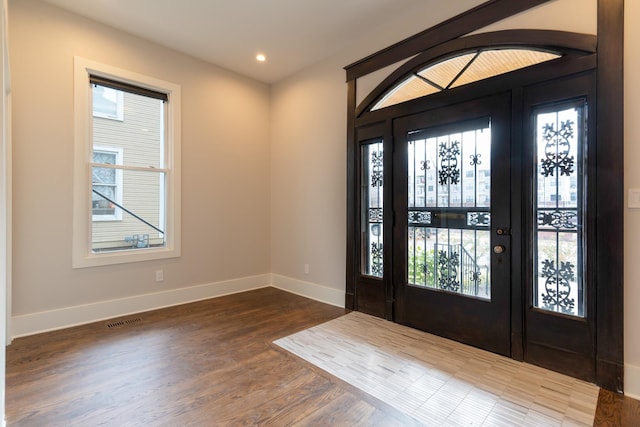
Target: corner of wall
x,y
309,290
632,381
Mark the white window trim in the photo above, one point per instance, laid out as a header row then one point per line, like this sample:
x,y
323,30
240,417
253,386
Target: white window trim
x,y
82,207
118,212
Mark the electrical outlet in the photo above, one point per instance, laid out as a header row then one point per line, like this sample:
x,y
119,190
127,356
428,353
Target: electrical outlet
x,y
159,275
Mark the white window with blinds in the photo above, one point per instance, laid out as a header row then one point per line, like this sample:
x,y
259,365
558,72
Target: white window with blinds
x,y
126,166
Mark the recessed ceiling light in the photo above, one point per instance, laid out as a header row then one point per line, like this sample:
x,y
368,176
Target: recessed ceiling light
x,y
260,57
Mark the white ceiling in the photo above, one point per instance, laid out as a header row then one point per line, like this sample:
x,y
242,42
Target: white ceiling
x,y
293,34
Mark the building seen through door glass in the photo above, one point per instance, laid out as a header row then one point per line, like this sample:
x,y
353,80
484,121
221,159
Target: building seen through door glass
x,y
449,200
559,241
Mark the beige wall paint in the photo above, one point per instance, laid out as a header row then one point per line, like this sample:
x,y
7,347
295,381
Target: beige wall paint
x,y
225,169
553,16
632,216
5,199
308,153
308,177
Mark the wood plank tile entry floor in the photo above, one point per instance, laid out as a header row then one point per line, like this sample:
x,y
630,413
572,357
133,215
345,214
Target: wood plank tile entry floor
x,y
442,382
213,363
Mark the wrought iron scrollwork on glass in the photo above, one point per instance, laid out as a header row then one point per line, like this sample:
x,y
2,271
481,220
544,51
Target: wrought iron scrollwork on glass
x,y
479,219
475,159
449,172
559,281
557,149
376,259
375,215
376,169
424,267
475,276
376,159
557,285
565,219
376,178
372,207
448,264
419,217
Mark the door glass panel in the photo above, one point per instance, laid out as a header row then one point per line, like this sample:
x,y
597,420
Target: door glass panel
x,y
449,200
372,180
560,141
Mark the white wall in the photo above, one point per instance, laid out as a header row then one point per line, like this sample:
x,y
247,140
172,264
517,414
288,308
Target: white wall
x,y
225,175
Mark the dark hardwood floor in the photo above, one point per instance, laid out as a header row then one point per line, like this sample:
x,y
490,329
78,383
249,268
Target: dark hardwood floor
x,y
205,363
617,410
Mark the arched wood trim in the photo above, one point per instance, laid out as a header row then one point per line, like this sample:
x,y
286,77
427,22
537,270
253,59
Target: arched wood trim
x,y
473,19
563,42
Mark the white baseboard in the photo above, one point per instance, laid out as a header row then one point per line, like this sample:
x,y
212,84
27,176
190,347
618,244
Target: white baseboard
x,y
309,290
632,381
34,323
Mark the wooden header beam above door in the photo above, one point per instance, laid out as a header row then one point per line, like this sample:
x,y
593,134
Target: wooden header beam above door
x,y
464,23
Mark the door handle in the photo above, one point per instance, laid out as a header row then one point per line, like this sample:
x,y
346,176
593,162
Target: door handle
x,y
498,249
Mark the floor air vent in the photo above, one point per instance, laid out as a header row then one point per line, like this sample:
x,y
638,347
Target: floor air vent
x,y
127,322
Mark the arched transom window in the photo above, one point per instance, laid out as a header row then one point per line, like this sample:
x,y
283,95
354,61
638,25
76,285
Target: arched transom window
x,y
461,69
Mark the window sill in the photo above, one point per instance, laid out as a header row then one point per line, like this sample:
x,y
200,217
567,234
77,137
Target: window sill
x,y
124,256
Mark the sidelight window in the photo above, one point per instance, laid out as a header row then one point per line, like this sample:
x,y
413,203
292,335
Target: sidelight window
x,y
559,210
372,201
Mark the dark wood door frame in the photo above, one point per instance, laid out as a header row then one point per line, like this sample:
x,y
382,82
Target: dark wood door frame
x,y
610,201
